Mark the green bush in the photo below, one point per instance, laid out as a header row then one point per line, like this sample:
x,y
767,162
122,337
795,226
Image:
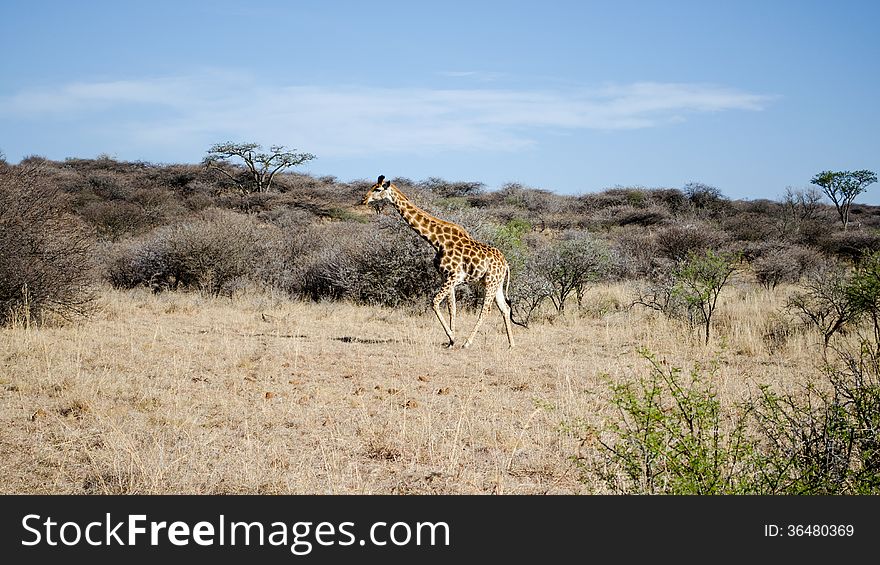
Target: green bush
x,y
689,290
699,281
863,291
513,231
825,440
673,437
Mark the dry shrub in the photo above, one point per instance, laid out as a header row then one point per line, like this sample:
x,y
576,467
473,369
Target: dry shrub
x,y
114,219
45,254
219,250
142,262
708,201
90,184
541,208
386,265
640,216
287,254
395,267
475,221
823,303
592,202
326,273
570,264
199,200
287,206
665,201
672,199
851,244
750,226
448,189
784,264
158,205
252,203
636,249
528,290
105,164
182,179
212,252
676,242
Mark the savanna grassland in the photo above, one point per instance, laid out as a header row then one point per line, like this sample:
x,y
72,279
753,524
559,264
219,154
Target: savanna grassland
x,y
179,393
172,329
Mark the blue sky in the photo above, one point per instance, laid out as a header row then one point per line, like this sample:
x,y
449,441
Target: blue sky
x,y
574,97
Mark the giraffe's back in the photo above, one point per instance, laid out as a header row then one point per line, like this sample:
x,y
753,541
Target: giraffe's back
x,y
472,261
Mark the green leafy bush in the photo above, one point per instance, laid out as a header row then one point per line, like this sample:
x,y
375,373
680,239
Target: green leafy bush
x,y
672,435
689,290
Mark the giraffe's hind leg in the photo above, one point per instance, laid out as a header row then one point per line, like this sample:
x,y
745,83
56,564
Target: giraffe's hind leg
x,y
447,290
450,304
491,290
501,302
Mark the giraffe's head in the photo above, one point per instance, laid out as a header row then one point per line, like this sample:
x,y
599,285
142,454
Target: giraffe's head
x,y
379,191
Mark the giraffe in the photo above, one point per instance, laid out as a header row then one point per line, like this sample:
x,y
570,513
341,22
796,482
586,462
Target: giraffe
x,y
460,258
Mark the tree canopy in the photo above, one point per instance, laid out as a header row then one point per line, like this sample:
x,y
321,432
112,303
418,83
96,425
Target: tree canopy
x,y
842,187
261,166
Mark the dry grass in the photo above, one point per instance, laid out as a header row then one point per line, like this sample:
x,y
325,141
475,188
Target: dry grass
x,y
182,394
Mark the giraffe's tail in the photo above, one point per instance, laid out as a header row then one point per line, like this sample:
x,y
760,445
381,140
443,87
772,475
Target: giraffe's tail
x,y
509,303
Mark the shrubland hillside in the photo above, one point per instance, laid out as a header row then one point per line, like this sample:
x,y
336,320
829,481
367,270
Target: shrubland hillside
x,y
164,331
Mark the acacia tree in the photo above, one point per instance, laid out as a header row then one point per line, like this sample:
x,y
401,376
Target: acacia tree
x,y
261,166
699,281
842,187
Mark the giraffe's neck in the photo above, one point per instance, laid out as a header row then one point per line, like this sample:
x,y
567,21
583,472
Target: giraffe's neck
x,y
423,223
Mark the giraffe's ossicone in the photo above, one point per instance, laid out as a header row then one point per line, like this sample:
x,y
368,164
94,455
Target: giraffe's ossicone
x,y
460,258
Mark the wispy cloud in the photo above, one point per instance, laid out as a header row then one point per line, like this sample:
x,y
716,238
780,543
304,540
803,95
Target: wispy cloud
x,y
349,120
481,76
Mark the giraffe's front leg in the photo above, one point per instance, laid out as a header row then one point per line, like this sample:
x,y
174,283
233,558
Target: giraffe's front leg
x,y
445,290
